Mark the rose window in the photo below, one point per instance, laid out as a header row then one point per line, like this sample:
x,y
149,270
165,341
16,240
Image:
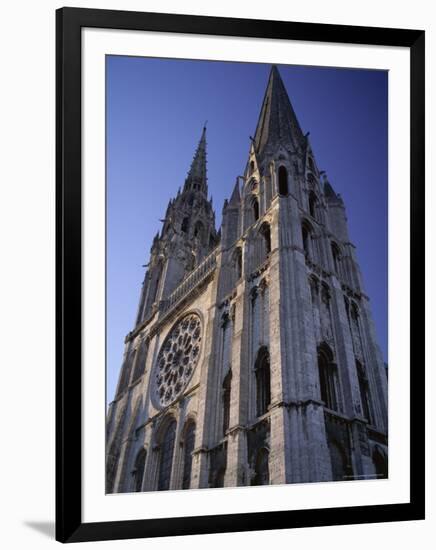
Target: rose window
x,y
177,358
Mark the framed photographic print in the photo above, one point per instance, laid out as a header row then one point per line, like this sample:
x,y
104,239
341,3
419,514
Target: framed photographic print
x,y
253,360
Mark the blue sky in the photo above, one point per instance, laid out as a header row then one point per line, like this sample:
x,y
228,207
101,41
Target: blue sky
x,y
156,109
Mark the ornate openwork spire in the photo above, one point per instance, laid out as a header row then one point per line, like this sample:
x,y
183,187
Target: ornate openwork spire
x,y
197,176
277,124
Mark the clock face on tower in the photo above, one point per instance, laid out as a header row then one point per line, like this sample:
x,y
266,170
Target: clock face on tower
x,y
178,358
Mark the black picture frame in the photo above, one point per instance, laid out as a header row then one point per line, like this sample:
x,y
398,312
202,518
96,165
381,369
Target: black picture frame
x,y
69,525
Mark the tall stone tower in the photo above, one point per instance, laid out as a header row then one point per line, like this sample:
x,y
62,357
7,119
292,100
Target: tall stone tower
x,y
254,358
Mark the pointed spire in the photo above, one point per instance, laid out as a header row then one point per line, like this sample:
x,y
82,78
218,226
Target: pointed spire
x,y
235,199
277,122
197,177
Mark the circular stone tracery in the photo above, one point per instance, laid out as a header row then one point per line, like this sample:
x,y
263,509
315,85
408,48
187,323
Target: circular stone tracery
x,y
177,358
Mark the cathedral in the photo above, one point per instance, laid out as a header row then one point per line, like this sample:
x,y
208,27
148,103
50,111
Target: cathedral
x,y
253,359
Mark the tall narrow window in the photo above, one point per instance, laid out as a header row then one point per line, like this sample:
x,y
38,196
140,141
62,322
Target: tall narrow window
x,y
140,361
238,262
261,467
265,231
364,391
327,377
263,381
189,443
139,470
185,225
306,231
283,181
166,457
251,166
255,206
227,384
336,258
312,204
199,231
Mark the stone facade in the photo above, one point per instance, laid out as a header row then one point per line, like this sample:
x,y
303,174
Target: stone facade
x,y
254,358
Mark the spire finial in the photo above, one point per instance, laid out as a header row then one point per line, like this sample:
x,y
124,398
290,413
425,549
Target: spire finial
x,y
197,178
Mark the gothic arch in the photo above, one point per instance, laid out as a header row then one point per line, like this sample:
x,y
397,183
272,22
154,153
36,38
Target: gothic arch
x,y
307,233
141,358
255,207
336,255
185,224
199,231
327,377
313,204
237,262
166,437
139,469
188,442
283,186
263,381
265,232
314,287
226,393
364,391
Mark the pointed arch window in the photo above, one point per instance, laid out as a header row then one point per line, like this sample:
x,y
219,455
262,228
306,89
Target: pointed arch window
x,y
327,377
283,181
364,391
251,166
307,232
189,442
138,472
238,262
265,231
312,203
336,258
185,225
261,468
199,231
140,361
255,207
227,386
166,456
263,381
